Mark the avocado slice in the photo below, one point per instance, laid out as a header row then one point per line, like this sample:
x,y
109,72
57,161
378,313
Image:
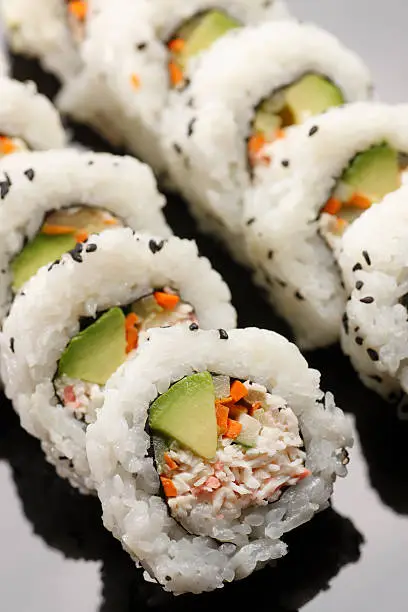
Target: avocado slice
x,y
312,95
97,352
186,413
37,253
374,173
202,31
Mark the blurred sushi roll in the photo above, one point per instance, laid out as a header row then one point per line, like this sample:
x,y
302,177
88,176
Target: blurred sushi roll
x,y
134,53
4,65
209,447
47,30
320,179
249,90
373,260
79,319
28,120
51,201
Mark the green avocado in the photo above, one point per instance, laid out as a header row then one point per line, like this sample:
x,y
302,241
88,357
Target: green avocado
x,y
97,352
202,31
374,173
186,414
42,250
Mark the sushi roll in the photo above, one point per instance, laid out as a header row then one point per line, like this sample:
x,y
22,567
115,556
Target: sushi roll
x,y
209,447
321,178
4,67
135,52
79,319
47,30
50,201
373,261
215,132
28,120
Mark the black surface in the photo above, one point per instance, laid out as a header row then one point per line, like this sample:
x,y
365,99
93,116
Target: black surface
x,y
55,554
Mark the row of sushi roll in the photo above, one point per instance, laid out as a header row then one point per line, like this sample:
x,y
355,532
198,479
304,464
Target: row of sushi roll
x,y
205,444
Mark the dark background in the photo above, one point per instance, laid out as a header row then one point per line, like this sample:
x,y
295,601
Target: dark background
x,y
54,553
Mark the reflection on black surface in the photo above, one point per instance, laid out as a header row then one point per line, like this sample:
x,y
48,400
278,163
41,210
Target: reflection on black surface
x,y
67,521
383,435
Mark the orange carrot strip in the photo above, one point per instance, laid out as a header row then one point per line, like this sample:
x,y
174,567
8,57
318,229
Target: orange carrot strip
x,y
78,9
280,134
7,146
221,412
81,236
132,338
110,221
176,74
341,225
131,320
359,201
169,487
177,45
56,230
238,390
256,143
170,462
234,429
332,207
168,301
135,81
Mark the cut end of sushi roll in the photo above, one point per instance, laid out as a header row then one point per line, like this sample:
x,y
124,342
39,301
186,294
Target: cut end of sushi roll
x,y
226,442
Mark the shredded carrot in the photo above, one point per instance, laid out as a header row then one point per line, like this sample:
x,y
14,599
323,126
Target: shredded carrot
x,y
168,301
169,487
7,146
81,236
255,406
280,134
340,226
56,230
78,9
170,462
221,412
177,45
238,390
110,221
135,81
234,429
176,74
359,201
256,143
132,337
332,207
131,320
226,400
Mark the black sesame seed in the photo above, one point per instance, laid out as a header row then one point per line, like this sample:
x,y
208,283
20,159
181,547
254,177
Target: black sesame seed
x,y
190,128
30,174
359,285
285,163
187,82
5,186
376,378
76,253
373,355
358,266
91,248
367,258
190,103
345,321
141,46
270,254
91,162
299,296
167,578
313,130
357,328
250,221
223,334
193,327
359,340
155,247
3,271
177,148
281,282
367,300
12,345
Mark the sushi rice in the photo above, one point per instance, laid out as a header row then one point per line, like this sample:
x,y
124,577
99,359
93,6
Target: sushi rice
x,y
123,86
129,486
114,268
205,128
34,184
295,258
